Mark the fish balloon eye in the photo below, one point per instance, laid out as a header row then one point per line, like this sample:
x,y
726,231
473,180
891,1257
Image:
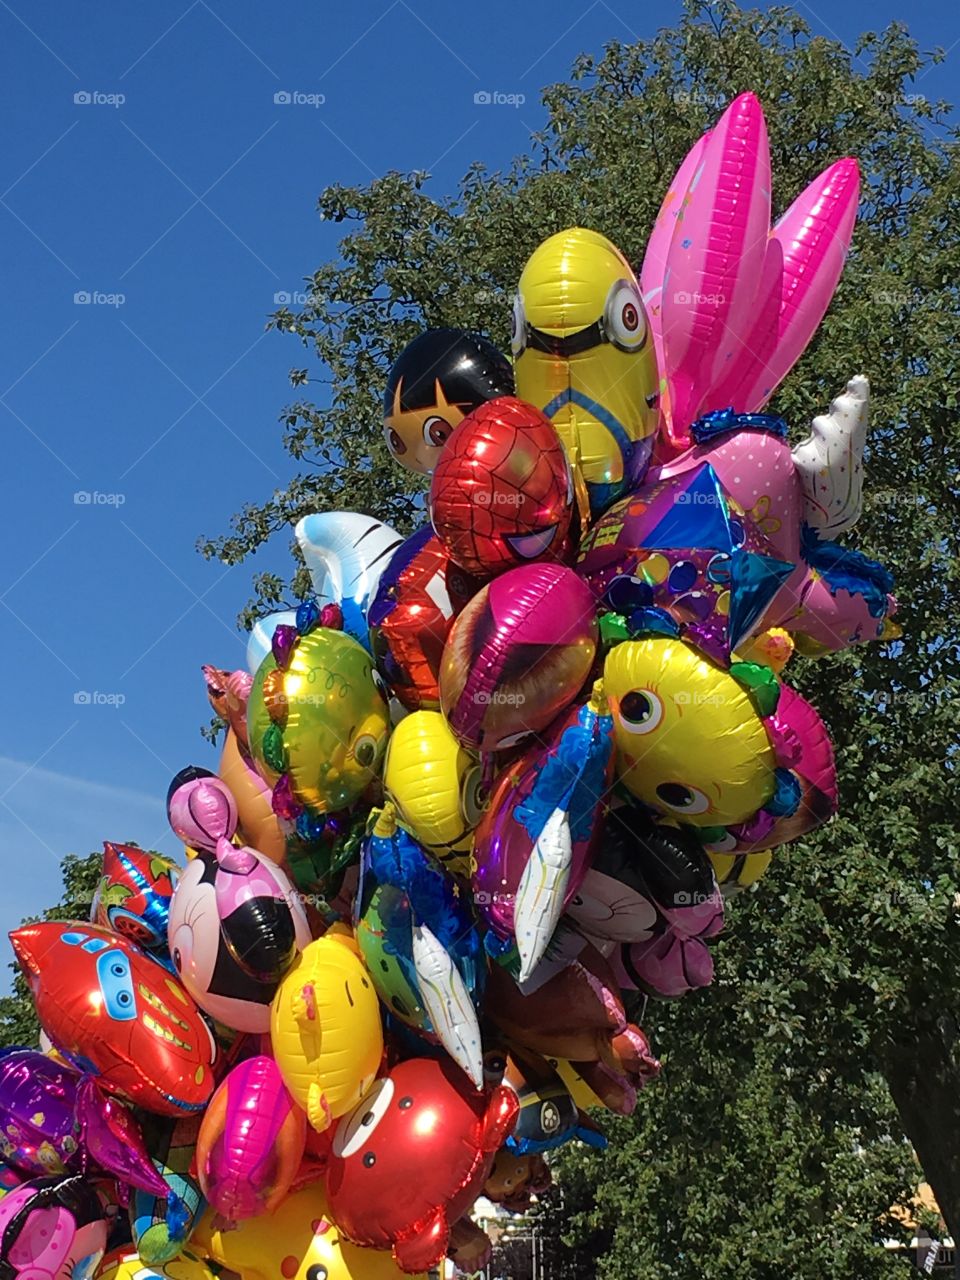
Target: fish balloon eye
x,y
682,799
365,750
640,711
624,320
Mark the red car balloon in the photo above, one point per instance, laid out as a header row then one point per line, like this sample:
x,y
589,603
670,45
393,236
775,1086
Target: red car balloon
x,y
502,492
115,1013
413,1156
419,594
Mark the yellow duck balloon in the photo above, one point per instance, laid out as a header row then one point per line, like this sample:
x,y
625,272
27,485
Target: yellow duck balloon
x,y
584,355
437,787
295,1242
325,1028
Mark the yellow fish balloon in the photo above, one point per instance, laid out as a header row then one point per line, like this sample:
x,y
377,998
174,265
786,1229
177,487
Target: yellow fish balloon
x,y
691,739
325,1028
584,355
298,1241
436,786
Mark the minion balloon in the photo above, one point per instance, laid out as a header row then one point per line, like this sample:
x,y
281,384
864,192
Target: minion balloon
x,y
584,356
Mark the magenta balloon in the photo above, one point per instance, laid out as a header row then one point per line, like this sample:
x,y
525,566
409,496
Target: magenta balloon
x,y
517,655
37,1098
113,1141
251,1141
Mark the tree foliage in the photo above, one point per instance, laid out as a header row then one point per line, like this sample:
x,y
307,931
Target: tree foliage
x,y
843,967
18,1021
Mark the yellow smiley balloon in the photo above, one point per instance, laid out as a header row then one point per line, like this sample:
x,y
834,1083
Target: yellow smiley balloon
x,y
691,743
436,786
298,1241
584,355
325,1028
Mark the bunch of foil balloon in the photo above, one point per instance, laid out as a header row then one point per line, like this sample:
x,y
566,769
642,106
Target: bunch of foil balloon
x,y
484,793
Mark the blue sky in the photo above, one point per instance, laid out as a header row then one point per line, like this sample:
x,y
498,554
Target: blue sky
x,y
147,166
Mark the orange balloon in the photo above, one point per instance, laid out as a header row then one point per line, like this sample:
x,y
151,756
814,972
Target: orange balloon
x,y
259,826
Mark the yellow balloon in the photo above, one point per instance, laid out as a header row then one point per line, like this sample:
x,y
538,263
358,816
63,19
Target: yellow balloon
x,y
436,786
123,1265
584,355
690,741
322,720
296,1242
738,871
577,1087
325,1028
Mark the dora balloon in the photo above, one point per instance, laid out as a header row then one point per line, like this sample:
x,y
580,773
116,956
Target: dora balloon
x,y
435,382
585,357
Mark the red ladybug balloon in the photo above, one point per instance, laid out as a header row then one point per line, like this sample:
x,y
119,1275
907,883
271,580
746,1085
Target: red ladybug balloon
x,y
419,594
502,492
413,1156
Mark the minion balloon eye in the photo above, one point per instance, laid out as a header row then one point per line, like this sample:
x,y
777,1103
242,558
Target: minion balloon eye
x,y
623,325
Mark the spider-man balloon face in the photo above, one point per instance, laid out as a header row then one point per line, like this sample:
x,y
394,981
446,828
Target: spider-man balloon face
x,y
502,492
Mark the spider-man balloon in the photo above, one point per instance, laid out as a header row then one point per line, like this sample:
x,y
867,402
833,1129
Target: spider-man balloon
x,y
502,492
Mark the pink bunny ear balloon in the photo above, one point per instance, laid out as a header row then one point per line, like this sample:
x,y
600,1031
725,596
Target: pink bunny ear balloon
x,y
715,259
813,238
653,274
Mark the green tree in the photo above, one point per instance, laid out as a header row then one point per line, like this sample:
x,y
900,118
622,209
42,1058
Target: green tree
x,y
844,964
18,1021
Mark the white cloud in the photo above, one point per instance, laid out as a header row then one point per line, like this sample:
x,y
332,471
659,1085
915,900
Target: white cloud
x,y
44,815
